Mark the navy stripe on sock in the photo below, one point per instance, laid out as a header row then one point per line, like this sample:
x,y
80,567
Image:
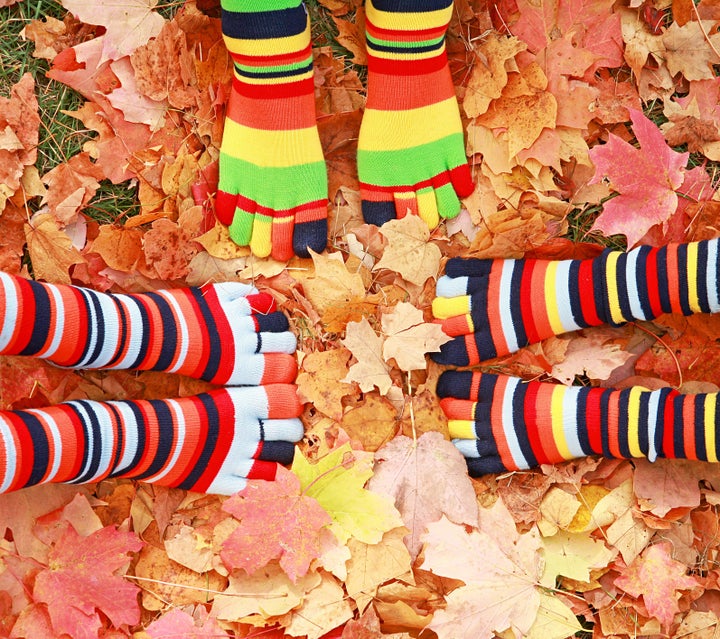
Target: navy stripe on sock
x,y
662,283
702,289
682,267
581,422
644,423
678,433
41,324
515,307
600,289
416,6
700,443
623,440
123,327
622,287
142,438
604,429
41,447
145,337
165,440
575,301
212,420
518,417
215,347
93,436
264,25
169,333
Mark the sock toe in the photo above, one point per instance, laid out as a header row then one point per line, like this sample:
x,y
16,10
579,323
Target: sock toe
x,y
378,213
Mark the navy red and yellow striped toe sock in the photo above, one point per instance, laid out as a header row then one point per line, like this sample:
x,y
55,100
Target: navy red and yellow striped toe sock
x,y
222,333
494,307
273,179
213,442
503,423
411,151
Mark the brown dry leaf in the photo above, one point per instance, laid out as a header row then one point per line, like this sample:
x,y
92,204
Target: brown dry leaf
x,y
372,422
71,186
408,337
159,80
593,354
318,381
490,72
336,318
366,346
339,134
371,566
688,50
350,36
323,609
51,250
45,34
120,248
169,249
12,238
427,479
333,285
408,252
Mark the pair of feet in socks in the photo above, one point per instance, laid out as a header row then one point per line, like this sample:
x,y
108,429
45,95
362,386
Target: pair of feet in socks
x,y
227,334
494,307
411,157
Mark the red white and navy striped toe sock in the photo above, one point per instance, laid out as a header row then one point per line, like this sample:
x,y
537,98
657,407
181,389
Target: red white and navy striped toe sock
x,y
495,307
222,333
503,423
211,442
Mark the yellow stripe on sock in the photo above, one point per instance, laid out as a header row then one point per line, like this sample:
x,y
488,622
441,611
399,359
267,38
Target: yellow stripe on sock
x,y
558,422
634,422
269,46
268,148
388,55
551,299
444,307
692,273
410,127
710,441
404,21
612,289
461,429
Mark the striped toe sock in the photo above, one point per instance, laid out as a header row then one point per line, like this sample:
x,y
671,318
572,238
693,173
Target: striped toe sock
x,y
211,442
222,333
503,423
495,307
411,152
273,180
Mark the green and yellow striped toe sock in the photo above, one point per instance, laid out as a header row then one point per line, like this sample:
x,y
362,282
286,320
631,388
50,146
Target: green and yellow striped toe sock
x,y
411,152
503,423
495,307
273,179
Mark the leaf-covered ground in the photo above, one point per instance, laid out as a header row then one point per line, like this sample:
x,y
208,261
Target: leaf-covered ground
x,y
588,122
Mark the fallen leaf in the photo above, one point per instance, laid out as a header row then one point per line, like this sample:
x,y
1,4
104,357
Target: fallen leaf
x,y
71,186
169,249
337,482
76,561
51,250
370,370
277,521
409,252
408,337
691,49
427,479
499,575
645,178
592,354
179,623
372,422
128,25
323,608
318,381
333,284
657,577
573,555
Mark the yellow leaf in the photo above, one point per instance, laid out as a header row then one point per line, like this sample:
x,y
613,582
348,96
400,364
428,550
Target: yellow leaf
x,y
554,620
557,511
573,555
51,250
337,482
333,284
409,253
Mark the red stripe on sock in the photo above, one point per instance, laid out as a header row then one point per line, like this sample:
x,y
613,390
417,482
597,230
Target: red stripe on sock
x,y
226,433
526,302
279,91
261,61
668,445
593,421
651,277
586,292
688,426
673,278
297,112
406,68
397,35
533,417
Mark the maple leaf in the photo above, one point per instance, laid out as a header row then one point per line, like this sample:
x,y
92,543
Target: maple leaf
x,y
318,381
409,252
169,249
500,569
323,608
277,520
178,623
337,481
333,284
691,49
51,250
657,577
645,178
129,24
572,555
81,580
71,185
408,337
366,346
426,479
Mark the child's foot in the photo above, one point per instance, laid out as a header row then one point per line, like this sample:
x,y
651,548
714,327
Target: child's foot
x,y
222,333
210,443
411,151
273,179
495,307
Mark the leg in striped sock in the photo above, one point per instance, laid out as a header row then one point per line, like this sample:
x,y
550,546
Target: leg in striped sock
x,y
495,307
210,443
503,423
273,179
411,153
222,333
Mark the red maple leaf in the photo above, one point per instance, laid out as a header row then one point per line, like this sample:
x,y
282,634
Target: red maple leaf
x,y
645,178
80,581
276,521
